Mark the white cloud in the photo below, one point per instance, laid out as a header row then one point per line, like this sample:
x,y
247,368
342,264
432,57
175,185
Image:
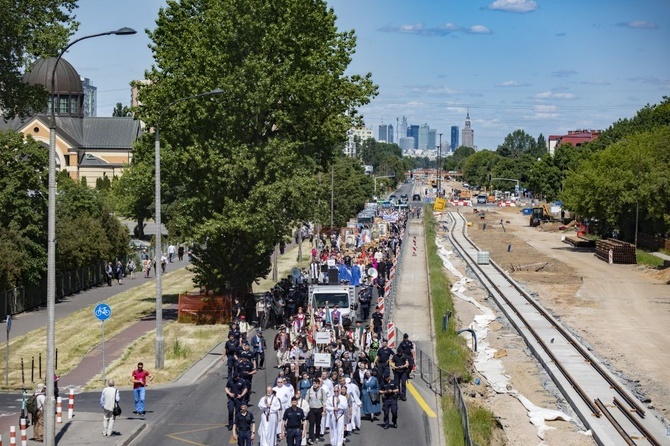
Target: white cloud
x,y
479,29
521,6
595,82
511,83
563,73
552,95
544,108
651,80
448,28
638,24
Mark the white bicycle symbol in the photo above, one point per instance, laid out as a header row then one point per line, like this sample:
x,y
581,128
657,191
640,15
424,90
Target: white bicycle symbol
x,y
102,311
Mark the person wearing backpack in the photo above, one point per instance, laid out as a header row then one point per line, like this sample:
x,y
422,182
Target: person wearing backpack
x,y
36,408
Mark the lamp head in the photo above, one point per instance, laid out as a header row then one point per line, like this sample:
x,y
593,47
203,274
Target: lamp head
x,y
124,31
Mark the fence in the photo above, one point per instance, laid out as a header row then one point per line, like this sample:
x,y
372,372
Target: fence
x,y
25,298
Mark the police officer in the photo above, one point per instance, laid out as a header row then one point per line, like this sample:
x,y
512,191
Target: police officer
x,y
406,348
384,355
293,426
365,298
244,427
231,348
246,371
377,321
236,389
389,391
400,366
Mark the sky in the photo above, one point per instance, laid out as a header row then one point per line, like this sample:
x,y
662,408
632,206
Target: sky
x,y
544,66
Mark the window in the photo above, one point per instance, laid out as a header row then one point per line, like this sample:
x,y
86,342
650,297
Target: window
x,y
73,104
62,104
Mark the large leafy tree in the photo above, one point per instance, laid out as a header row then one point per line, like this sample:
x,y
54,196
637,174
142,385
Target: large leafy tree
x,y
631,173
239,168
23,200
518,143
478,168
29,29
351,189
457,159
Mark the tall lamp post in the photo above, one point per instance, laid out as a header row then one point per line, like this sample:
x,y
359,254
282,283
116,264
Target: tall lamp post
x,y
49,421
160,354
439,161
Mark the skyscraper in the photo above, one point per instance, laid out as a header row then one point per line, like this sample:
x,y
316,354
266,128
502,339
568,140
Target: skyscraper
x,y
90,97
468,133
385,133
424,130
413,131
454,137
402,128
406,143
432,140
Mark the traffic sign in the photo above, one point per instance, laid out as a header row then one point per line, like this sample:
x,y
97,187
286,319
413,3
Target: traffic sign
x,y
9,322
102,312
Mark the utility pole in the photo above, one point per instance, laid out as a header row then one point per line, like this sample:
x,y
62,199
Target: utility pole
x,y
439,161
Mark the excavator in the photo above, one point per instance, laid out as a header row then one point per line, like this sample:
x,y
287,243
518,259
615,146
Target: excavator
x,y
539,215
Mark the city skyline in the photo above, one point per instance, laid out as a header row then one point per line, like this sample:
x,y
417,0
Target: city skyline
x,y
545,67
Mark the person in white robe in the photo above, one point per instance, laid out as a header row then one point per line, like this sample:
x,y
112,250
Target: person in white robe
x,y
284,393
336,407
270,407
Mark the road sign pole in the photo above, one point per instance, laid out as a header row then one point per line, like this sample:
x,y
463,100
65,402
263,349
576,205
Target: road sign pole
x,y
102,312
9,327
103,351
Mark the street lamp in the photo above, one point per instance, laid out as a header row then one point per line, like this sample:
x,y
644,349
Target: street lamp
x,y
439,161
49,421
160,357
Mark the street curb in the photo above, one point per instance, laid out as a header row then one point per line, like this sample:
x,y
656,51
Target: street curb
x,y
128,441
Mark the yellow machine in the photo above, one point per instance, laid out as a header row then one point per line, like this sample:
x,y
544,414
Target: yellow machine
x,y
539,215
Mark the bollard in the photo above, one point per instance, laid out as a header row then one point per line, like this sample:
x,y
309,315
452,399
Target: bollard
x,y
70,405
390,334
59,410
509,248
12,435
24,435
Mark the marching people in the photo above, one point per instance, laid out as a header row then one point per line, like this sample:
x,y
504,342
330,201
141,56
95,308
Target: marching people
x,y
231,347
337,406
108,398
38,415
370,391
140,379
236,389
293,426
316,398
258,346
382,359
270,408
244,427
400,367
389,390
406,348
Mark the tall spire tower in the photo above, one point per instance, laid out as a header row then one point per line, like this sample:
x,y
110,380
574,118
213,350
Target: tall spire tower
x,y
468,134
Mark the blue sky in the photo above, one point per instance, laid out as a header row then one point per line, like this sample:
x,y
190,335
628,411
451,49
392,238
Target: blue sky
x,y
542,66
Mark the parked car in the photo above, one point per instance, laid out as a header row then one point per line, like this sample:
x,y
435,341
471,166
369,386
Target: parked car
x,y
416,197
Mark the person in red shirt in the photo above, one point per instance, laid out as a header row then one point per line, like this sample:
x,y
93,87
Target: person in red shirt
x,y
141,378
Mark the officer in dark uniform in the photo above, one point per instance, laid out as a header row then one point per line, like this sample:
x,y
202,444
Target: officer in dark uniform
x,y
400,365
235,331
377,321
236,389
246,371
406,349
244,427
293,426
231,348
384,355
365,298
389,391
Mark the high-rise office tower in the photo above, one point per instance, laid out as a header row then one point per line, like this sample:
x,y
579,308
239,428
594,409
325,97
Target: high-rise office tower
x,y
424,130
385,133
406,143
413,131
468,133
454,137
432,139
90,97
402,128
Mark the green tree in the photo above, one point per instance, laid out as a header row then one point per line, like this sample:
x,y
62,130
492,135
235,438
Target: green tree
x,y
478,167
121,111
237,168
457,159
30,29
519,143
631,173
351,189
23,200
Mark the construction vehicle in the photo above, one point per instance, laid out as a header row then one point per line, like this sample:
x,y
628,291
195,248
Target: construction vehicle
x,y
540,214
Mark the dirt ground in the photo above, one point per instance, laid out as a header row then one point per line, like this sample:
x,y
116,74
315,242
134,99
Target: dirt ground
x,y
620,311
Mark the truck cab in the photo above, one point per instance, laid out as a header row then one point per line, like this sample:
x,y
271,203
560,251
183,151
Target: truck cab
x,y
344,296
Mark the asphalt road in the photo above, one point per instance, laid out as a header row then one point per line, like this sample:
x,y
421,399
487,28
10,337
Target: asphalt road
x,y
197,415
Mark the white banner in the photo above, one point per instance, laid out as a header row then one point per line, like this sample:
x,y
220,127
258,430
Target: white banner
x,y
322,337
322,360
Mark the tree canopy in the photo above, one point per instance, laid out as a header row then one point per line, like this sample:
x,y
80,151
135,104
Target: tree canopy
x,y
30,29
239,169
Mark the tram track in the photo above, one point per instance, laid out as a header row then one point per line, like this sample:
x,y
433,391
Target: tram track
x,y
582,379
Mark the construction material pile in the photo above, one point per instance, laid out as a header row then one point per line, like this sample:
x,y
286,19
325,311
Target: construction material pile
x,y
621,252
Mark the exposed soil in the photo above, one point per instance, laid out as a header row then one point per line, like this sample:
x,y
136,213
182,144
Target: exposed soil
x,y
620,311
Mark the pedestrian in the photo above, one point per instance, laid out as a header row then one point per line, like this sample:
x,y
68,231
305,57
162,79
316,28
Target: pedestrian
x,y
382,359
390,392
377,320
258,346
302,404
316,398
337,406
38,415
141,379
244,427
108,398
406,348
109,273
171,252
304,385
236,389
131,268
146,266
293,426
231,347
164,262
270,408
370,393
119,272
244,327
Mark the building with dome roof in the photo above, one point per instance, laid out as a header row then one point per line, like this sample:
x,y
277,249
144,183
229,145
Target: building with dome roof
x,y
91,147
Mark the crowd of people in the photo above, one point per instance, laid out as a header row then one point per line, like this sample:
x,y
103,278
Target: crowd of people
x,y
362,377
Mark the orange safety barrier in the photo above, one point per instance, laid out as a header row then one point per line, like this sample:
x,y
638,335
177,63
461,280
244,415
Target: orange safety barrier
x,y
70,405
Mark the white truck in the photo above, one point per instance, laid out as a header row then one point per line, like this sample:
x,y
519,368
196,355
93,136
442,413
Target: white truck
x,y
344,296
